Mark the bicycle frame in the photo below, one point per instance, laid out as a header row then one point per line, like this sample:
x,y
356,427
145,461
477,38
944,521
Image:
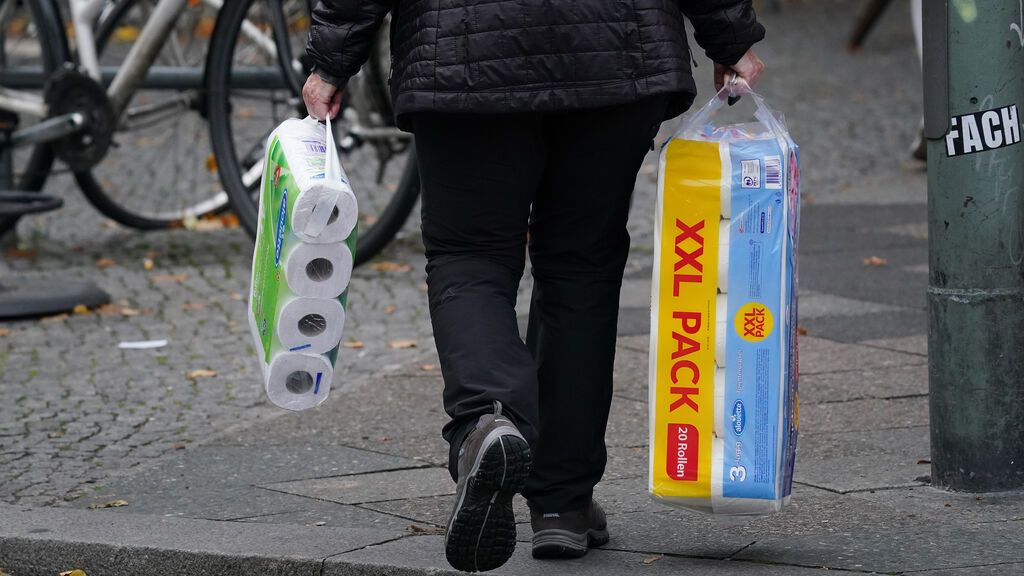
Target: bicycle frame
x,y
137,70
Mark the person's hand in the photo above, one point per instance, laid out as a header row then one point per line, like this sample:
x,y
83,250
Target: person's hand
x,y
323,99
748,68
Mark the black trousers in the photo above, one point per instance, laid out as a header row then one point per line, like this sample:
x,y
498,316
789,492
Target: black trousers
x,y
561,184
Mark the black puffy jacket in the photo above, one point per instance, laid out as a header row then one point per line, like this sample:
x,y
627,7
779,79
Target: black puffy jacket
x,y
530,55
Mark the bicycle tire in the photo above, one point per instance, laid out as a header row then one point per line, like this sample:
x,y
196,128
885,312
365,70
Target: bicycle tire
x,y
54,45
94,191
371,240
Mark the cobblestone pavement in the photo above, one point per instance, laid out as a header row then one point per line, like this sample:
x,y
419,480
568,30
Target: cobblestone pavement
x,y
76,411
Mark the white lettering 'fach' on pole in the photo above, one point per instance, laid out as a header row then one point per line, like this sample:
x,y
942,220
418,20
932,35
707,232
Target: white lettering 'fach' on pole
x,y
990,129
952,136
983,130
1011,126
972,138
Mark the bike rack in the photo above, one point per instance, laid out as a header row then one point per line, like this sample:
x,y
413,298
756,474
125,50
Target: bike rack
x,y
34,297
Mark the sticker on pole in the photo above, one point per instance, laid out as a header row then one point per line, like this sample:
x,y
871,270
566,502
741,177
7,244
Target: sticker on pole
x,y
981,131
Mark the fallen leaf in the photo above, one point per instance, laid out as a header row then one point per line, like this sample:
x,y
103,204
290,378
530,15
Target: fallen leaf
x,y
179,278
126,34
390,309
111,504
177,446
75,572
417,529
80,309
206,224
353,344
390,267
14,253
147,264
875,261
204,29
117,310
201,373
54,318
189,222
230,220
235,295
5,332
193,306
428,367
400,344
801,331
105,262
650,560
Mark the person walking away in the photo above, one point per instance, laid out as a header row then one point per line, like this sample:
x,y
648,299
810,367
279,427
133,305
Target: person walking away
x,y
531,119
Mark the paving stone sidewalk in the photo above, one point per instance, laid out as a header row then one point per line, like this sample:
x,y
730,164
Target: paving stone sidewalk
x,y
218,481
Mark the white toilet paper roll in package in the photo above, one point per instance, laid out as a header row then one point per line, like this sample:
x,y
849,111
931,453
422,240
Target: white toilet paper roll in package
x,y
719,424
320,178
318,270
723,255
298,381
732,505
310,325
721,328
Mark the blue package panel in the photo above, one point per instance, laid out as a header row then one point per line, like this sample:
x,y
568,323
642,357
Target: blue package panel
x,y
759,322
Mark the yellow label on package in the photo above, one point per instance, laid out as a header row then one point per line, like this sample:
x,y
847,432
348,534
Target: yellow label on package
x,y
686,280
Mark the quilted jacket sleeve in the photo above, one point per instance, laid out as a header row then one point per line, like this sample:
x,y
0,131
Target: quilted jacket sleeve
x,y
725,29
341,36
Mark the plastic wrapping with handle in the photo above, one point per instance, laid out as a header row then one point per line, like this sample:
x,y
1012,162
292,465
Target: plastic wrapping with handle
x,y
723,364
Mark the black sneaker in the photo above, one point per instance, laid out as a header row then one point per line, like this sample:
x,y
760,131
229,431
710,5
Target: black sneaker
x,y
494,462
568,534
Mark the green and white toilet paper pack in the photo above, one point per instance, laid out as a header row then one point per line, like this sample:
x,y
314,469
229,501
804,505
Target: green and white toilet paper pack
x,y
302,263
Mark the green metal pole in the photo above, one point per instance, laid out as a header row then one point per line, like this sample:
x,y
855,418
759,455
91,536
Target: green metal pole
x,y
975,242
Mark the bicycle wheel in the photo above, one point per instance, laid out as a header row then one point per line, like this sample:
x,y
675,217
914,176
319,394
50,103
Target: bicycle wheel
x,y
32,45
249,95
159,171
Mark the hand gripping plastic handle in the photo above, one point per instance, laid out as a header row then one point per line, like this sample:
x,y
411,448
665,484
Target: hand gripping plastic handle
x,y
328,195
736,86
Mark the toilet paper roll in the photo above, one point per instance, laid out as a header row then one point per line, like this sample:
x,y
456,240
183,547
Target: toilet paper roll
x,y
723,255
318,270
722,326
340,223
726,198
311,325
720,504
297,381
719,408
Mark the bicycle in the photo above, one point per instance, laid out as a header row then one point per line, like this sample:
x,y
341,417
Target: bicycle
x,y
378,158
250,80
136,130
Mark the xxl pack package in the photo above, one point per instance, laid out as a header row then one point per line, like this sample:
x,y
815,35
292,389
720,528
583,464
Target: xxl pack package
x,y
723,364
302,263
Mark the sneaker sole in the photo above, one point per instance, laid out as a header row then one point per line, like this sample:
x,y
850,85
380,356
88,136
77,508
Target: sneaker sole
x,y
556,543
482,534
